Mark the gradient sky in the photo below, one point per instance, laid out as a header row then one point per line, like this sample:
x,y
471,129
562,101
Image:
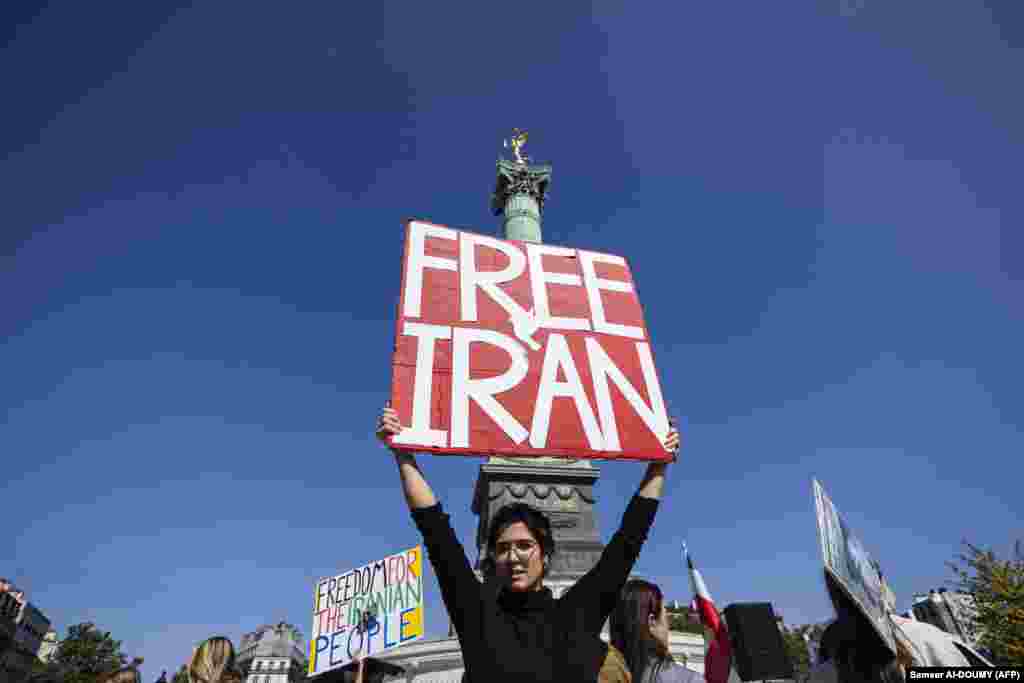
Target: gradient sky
x,y
821,203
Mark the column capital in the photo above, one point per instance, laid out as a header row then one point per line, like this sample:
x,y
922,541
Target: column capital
x,y
520,179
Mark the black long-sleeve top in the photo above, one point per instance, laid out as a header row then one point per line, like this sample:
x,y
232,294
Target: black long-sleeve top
x,y
531,636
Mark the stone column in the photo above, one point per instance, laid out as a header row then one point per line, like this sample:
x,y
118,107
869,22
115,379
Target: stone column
x,y
562,488
519,196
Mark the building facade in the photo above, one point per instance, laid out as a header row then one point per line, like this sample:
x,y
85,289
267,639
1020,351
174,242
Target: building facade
x,y
273,654
22,629
10,607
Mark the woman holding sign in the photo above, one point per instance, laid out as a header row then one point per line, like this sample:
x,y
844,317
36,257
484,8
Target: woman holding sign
x,y
511,628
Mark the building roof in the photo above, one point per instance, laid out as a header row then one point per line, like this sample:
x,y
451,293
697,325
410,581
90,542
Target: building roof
x,y
279,640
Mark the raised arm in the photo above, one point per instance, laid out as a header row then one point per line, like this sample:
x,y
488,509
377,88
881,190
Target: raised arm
x,y
654,478
593,597
460,588
418,493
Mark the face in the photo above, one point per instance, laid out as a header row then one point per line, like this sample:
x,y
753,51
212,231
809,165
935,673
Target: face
x,y
518,556
659,626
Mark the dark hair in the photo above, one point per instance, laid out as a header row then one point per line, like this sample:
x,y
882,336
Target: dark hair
x,y
535,520
858,652
631,634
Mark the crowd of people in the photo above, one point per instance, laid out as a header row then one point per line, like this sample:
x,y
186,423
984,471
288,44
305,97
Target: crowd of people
x,y
511,627
212,661
851,648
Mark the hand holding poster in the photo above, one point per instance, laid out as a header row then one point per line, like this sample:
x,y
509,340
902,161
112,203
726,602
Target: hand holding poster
x,y
367,611
850,566
522,349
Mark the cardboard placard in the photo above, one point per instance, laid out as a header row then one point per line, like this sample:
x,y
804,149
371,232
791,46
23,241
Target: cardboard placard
x,y
520,349
392,589
850,567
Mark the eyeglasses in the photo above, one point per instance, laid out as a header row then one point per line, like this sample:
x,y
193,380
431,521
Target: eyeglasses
x,y
523,549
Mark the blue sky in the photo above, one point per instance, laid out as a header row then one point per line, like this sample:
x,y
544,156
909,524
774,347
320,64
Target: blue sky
x,y
820,202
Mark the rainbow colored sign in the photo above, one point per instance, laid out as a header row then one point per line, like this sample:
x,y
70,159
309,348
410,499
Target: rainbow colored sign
x,y
367,611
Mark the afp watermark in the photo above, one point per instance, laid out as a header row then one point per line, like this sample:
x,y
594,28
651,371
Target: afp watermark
x,y
964,673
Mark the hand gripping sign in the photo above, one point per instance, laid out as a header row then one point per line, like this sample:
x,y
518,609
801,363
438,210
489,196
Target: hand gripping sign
x,y
520,349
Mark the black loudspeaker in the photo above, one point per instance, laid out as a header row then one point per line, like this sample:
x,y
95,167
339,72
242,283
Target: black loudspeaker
x,y
758,652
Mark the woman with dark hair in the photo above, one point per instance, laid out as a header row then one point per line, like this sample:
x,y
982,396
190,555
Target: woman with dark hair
x,y
533,531
639,629
852,651
511,628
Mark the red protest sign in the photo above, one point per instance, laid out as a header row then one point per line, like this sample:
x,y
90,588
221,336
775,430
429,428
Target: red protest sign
x,y
519,349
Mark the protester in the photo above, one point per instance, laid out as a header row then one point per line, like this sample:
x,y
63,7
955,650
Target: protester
x,y
927,645
846,642
213,662
614,669
639,629
852,651
511,628
361,670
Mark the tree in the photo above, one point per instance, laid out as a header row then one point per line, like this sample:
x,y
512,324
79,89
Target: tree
x,y
83,655
684,621
796,650
796,647
997,587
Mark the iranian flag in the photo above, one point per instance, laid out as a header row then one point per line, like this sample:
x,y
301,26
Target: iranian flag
x,y
718,660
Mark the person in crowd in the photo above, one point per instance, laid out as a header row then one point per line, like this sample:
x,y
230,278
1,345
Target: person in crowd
x,y
614,668
852,651
927,645
214,662
639,629
849,652
511,628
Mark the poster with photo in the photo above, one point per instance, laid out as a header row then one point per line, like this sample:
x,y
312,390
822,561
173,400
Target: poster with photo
x,y
850,566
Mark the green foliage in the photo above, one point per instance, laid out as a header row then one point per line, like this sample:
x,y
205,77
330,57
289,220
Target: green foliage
x,y
81,657
683,625
796,647
680,621
997,587
181,676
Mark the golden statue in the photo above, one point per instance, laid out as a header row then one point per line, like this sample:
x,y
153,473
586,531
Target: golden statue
x,y
517,141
